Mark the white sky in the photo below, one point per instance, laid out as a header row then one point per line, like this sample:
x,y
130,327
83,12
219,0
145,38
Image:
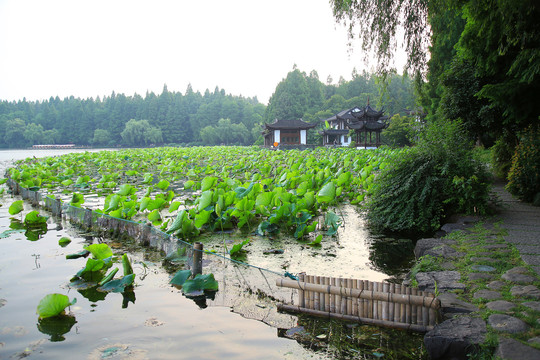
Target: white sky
x,y
89,48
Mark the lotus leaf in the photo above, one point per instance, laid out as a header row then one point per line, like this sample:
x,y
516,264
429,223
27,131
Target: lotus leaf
x,y
126,264
154,215
16,207
205,200
126,189
202,218
200,283
208,183
118,285
180,277
64,241
53,305
177,223
163,184
100,251
33,219
327,193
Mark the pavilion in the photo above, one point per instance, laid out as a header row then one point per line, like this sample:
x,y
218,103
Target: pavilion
x,y
286,132
366,123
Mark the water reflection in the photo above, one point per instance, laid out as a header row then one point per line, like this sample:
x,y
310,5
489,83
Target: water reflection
x,y
345,340
128,297
56,326
33,233
392,256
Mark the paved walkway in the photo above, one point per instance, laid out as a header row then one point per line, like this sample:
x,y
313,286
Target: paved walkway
x,y
522,221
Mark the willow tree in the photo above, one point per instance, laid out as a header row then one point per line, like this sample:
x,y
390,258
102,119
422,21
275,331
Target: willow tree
x,y
379,24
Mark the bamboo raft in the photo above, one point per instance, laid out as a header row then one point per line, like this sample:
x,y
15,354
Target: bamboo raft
x,y
382,304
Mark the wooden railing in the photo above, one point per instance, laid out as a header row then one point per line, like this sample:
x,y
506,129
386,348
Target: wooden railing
x,y
383,304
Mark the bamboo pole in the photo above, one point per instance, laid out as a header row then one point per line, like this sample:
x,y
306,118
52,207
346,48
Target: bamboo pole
x,y
327,296
311,294
371,302
414,309
390,324
392,290
385,303
316,299
197,258
408,306
380,303
333,297
348,283
301,300
342,285
360,286
367,304
425,316
397,307
375,302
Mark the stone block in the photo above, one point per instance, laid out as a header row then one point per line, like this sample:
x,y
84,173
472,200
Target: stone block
x,y
455,338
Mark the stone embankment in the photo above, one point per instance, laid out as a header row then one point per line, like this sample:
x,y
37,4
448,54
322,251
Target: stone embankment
x,y
486,272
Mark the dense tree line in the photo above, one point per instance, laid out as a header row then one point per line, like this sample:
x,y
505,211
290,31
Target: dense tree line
x,y
166,118
212,118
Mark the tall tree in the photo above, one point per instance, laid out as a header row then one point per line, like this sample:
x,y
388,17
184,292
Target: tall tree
x,y
290,100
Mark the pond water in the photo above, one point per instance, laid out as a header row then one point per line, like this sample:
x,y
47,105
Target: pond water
x,y
157,321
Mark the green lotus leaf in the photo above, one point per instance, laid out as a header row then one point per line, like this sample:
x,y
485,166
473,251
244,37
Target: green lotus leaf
x,y
177,223
200,283
163,184
100,251
327,193
180,277
174,206
202,218
154,215
126,189
34,219
66,182
208,182
53,305
205,200
118,285
77,199
16,207
64,241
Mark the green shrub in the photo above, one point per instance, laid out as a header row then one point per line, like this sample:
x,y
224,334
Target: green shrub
x,y
501,158
400,131
437,178
524,174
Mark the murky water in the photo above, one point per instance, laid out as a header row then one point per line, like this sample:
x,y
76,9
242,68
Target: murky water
x,y
160,322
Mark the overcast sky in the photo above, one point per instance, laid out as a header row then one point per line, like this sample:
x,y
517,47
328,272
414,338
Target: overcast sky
x,y
90,48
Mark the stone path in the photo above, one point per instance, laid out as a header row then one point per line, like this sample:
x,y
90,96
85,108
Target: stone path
x,y
462,327
522,221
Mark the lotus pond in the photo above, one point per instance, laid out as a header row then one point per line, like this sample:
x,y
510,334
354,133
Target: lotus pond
x,y
281,211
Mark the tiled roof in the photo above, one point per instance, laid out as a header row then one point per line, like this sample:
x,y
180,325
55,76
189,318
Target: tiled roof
x,y
289,124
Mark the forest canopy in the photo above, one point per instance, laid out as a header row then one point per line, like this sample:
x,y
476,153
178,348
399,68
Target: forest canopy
x,y
192,118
